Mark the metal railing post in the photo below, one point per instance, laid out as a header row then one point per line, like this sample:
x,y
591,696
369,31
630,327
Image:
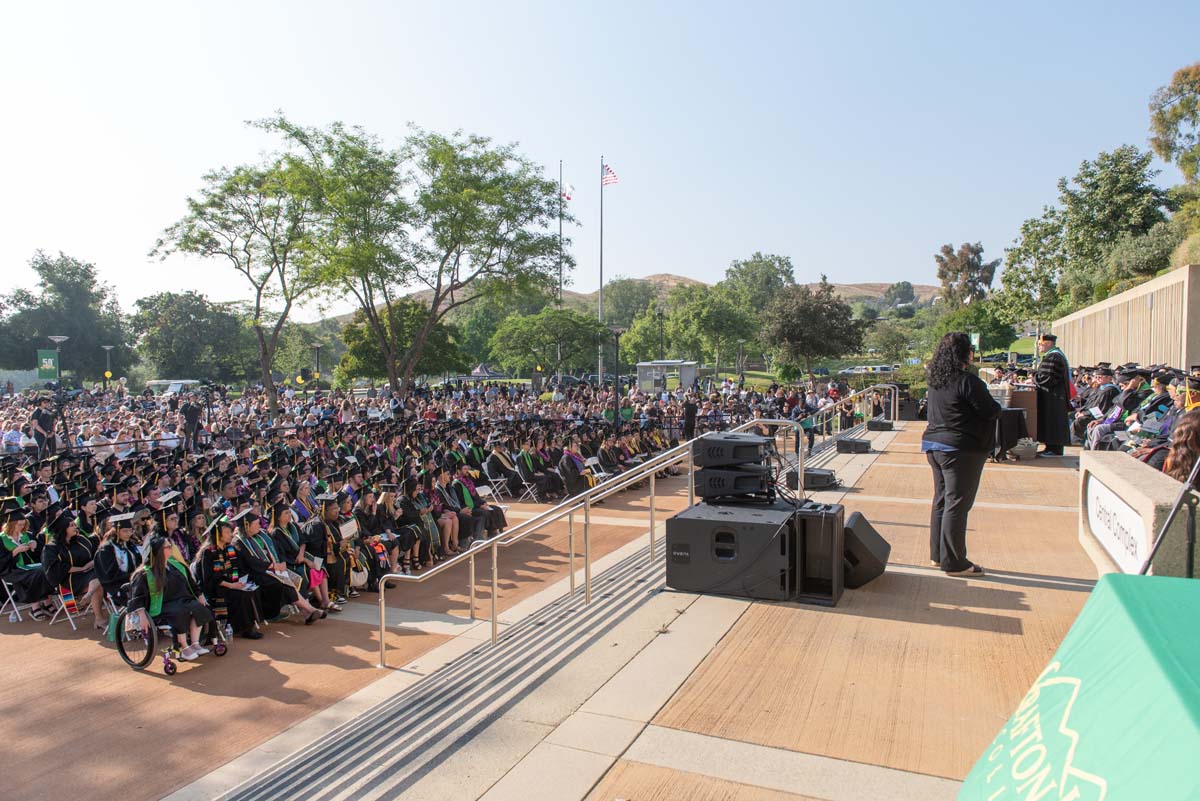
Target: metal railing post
x,y
652,486
382,624
691,474
495,590
471,580
571,546
800,466
587,549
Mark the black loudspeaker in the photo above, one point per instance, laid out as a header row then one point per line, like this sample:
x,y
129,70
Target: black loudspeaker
x,y
720,482
820,543
815,478
851,445
733,550
866,552
908,409
879,425
727,450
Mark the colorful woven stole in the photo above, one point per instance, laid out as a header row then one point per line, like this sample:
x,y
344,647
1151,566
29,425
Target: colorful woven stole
x,y
68,599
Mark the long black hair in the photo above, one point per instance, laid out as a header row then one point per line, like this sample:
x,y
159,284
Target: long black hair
x,y
950,356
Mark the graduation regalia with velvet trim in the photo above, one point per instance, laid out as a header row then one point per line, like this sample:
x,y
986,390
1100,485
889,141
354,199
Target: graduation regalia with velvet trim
x,y
1053,400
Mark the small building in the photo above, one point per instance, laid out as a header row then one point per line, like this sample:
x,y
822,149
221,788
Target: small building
x,y
654,376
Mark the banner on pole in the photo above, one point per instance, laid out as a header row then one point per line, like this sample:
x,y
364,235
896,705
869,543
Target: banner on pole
x,y
47,365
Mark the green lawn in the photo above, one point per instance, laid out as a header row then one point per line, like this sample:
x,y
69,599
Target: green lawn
x,y
1024,346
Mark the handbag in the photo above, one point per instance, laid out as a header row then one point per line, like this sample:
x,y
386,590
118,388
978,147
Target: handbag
x,y
358,573
110,632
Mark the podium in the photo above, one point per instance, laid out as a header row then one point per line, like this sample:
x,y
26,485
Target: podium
x,y
1025,398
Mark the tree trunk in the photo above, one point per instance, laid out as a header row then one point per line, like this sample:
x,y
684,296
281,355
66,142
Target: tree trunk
x,y
265,357
413,355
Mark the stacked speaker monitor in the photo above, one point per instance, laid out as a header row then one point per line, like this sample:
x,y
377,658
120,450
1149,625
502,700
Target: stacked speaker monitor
x,y
744,540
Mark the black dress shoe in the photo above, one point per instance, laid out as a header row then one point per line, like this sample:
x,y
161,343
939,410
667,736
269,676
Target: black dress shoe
x,y
252,635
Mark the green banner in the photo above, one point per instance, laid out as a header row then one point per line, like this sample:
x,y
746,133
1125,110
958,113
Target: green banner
x,y
1116,713
47,365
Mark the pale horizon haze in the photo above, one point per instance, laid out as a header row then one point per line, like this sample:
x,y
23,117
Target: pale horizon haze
x,y
856,139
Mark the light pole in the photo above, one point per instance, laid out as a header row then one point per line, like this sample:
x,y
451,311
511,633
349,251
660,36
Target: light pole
x,y
658,314
58,340
616,331
740,362
107,365
317,365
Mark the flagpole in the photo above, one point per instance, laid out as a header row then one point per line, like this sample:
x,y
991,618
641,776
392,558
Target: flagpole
x,y
560,213
600,303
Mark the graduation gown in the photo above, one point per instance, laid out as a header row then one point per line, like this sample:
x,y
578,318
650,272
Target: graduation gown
x,y
58,557
1053,400
22,572
256,554
240,608
109,567
180,603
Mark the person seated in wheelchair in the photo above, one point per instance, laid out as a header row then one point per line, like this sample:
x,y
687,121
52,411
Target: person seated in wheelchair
x,y
69,563
117,557
231,592
165,591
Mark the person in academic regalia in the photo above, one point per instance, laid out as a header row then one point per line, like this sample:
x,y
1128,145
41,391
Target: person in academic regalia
x,y
225,582
69,562
257,553
287,538
117,557
17,564
319,538
165,589
1053,379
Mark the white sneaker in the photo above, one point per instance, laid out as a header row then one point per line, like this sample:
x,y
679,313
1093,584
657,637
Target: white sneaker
x,y
188,654
200,650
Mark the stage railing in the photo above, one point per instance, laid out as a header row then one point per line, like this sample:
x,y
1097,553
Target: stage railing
x,y
583,502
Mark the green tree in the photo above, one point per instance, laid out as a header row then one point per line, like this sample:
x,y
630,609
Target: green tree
x,y
802,325
640,342
1133,259
899,293
184,335
1175,121
555,338
754,282
362,357
890,340
864,311
626,298
1029,285
69,300
981,318
965,276
451,214
251,218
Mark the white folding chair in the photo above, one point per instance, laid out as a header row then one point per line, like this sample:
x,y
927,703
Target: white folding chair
x,y
10,602
530,490
498,486
489,497
593,464
64,610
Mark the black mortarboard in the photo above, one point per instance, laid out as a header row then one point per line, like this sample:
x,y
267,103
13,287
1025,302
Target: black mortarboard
x,y
121,521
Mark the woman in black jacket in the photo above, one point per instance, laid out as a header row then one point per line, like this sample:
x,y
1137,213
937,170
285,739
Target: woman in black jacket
x,y
956,442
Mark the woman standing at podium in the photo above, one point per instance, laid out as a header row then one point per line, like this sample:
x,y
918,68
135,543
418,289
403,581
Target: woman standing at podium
x,y
962,424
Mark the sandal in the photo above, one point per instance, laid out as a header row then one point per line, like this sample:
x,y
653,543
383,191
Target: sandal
x,y
967,572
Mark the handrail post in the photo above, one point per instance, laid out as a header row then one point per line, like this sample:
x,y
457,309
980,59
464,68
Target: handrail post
x,y
652,485
471,579
495,590
382,624
571,546
587,549
800,459
691,473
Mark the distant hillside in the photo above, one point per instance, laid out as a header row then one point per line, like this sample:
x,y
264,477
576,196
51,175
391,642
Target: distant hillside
x,y
665,282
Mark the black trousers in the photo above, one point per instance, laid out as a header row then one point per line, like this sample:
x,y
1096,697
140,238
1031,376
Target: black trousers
x,y
955,481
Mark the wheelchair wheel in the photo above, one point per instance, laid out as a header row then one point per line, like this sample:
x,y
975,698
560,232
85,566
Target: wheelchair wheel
x,y
169,668
136,647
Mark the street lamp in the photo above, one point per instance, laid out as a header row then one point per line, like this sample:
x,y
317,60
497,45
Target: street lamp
x,y
107,365
740,361
616,331
317,365
58,340
658,314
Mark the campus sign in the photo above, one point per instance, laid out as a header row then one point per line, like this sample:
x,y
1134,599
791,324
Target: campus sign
x,y
1116,525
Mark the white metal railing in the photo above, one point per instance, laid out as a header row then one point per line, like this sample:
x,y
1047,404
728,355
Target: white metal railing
x,y
647,470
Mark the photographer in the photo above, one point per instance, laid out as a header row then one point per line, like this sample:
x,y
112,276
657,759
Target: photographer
x,y
190,411
42,422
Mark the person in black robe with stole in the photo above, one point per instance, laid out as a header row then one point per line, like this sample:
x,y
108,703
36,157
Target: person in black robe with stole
x,y
320,538
257,553
1053,379
69,563
17,564
166,590
117,557
225,583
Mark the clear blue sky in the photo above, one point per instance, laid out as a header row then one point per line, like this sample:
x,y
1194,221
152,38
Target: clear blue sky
x,y
855,138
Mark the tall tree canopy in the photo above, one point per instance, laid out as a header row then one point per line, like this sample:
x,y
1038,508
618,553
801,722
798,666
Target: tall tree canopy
x,y
184,335
754,282
251,218
803,325
557,339
69,300
981,318
965,276
1034,264
899,293
626,298
1175,121
362,358
447,215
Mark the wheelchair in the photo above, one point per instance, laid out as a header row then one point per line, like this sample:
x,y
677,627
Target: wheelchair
x,y
138,646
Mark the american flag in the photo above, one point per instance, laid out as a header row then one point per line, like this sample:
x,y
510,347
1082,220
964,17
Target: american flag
x,y
567,191
607,176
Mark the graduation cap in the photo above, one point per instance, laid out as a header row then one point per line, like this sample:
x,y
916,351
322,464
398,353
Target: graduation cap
x,y
121,521
10,510
244,517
